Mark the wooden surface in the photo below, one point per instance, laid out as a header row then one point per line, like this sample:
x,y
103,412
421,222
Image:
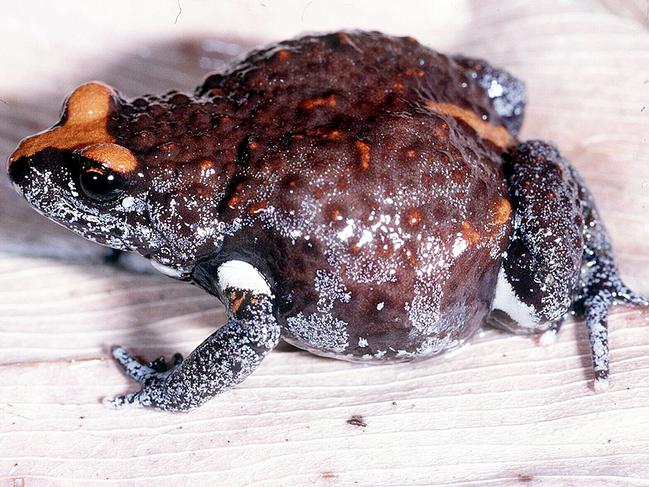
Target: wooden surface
x,y
503,411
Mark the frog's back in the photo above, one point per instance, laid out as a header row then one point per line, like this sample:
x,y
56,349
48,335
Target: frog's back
x,y
372,168
307,82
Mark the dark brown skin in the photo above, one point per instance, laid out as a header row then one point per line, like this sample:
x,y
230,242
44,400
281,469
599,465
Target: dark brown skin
x,y
360,175
281,133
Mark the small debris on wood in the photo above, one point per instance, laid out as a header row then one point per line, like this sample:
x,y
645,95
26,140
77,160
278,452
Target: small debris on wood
x,y
357,420
525,478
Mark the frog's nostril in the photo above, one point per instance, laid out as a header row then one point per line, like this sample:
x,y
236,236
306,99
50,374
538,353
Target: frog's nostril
x,y
18,170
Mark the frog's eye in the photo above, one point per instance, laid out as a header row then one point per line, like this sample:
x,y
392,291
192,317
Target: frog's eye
x,y
100,184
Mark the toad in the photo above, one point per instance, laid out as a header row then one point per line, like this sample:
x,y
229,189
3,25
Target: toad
x,y
357,195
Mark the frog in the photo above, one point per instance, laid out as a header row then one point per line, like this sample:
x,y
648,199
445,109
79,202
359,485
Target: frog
x,y
354,194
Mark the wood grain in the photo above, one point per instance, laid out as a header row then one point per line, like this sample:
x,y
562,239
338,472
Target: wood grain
x,y
503,411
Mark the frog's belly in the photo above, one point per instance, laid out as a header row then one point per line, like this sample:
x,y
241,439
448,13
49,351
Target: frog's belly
x,y
350,325
338,312
390,355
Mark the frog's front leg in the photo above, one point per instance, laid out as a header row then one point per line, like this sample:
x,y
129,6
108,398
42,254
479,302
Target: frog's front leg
x,y
559,257
222,361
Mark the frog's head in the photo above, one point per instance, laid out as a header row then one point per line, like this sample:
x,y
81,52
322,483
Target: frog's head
x,y
80,174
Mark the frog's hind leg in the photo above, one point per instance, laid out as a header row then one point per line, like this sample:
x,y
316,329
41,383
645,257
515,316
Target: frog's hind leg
x,y
560,257
541,266
507,93
600,284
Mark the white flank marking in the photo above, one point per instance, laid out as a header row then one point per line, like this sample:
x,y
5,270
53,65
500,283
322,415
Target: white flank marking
x,y
507,301
242,275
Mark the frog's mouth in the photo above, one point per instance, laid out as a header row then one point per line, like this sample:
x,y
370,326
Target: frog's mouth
x,y
49,187
66,212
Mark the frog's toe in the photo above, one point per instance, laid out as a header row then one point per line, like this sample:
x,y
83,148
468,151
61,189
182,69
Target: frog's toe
x,y
132,399
600,384
145,373
601,295
160,364
133,367
631,297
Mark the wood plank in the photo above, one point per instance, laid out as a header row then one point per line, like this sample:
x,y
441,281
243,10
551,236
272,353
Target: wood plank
x,y
503,411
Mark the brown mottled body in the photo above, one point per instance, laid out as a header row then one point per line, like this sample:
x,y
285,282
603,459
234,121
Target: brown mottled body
x,y
307,153
346,192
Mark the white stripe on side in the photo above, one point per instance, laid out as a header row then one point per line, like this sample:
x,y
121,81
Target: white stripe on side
x,y
506,300
242,275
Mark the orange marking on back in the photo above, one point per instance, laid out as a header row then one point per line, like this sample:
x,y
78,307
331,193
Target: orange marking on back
x,y
206,164
413,217
234,201
333,135
363,154
87,110
469,234
329,101
502,211
354,249
414,72
497,134
336,215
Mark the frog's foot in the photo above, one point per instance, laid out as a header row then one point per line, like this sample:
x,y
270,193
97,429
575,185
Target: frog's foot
x,y
150,375
600,285
549,336
507,93
603,287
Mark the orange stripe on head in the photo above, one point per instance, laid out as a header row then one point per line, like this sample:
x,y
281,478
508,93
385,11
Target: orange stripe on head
x,y
496,134
112,156
85,130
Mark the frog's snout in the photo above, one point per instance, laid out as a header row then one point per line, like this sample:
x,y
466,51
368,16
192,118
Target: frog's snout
x,y
18,170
